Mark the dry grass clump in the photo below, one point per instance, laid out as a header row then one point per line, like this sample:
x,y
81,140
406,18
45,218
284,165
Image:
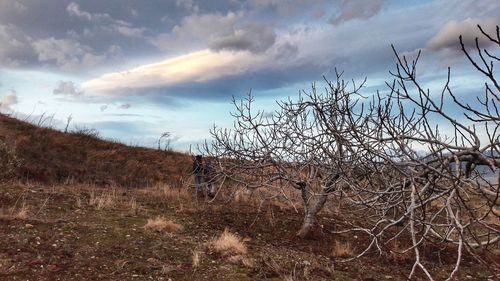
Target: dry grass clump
x,y
243,196
165,191
161,224
132,206
228,243
105,200
14,213
343,250
196,258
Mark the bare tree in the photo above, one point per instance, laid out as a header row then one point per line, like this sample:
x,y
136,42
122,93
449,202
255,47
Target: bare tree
x,y
165,137
292,146
68,121
386,155
422,185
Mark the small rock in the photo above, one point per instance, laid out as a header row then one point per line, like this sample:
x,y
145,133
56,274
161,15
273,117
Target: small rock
x,y
28,225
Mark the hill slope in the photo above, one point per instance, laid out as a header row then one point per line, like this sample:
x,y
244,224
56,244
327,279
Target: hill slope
x,y
52,156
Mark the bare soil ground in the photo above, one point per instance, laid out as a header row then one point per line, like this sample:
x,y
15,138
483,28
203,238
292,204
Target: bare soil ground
x,y
91,233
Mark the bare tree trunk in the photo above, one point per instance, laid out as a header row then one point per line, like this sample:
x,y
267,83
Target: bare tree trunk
x,y
312,206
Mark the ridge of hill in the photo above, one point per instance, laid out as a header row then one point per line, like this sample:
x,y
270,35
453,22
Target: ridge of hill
x,y
50,156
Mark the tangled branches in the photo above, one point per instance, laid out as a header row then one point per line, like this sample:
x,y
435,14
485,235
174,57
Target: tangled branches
x,y
386,155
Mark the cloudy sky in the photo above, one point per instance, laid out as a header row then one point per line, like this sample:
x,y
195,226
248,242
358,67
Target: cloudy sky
x,y
134,69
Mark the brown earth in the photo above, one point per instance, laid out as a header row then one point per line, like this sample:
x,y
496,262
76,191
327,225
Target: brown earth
x,y
91,233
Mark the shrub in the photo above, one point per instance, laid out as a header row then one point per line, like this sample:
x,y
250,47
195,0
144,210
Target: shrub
x,y
228,243
161,224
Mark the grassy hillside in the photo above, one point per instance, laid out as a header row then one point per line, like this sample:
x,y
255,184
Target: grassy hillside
x,y
51,156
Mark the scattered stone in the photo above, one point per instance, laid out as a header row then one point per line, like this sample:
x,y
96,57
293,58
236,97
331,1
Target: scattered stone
x,y
28,225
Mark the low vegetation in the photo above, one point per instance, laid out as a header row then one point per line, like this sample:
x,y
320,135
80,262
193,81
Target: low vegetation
x,y
160,224
228,244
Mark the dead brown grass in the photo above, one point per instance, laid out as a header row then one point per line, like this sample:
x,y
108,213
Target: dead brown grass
x,y
80,156
228,243
161,224
167,192
196,259
13,213
132,206
342,249
105,200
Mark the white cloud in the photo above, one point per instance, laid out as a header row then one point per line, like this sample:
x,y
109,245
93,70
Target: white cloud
x,y
9,100
200,66
15,48
127,29
125,106
447,37
107,22
74,10
71,54
67,88
67,53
